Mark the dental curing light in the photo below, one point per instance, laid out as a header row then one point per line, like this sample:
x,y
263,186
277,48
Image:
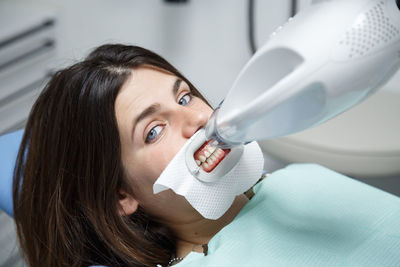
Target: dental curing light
x,y
323,61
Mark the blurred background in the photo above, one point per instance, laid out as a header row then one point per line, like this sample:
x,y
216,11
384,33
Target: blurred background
x,y
209,42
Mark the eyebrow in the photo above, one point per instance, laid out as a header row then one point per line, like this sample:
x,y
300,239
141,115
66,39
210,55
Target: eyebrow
x,y
154,108
176,86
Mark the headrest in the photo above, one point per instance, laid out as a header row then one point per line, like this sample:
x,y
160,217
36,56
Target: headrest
x,y
9,145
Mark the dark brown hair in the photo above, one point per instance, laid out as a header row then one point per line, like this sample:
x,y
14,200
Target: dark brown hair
x,y
69,170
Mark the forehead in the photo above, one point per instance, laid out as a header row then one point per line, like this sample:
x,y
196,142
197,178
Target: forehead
x,y
146,79
143,85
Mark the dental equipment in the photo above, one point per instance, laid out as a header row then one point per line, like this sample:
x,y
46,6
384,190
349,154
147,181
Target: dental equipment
x,y
323,61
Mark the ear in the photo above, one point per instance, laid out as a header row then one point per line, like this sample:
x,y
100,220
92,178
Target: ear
x,y
127,203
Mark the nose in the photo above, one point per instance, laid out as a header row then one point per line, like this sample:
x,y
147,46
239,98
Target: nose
x,y
192,121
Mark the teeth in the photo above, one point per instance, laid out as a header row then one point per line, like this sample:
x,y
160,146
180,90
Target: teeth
x,y
211,149
210,156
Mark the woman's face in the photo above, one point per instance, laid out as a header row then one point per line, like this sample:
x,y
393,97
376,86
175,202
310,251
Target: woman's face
x,y
156,115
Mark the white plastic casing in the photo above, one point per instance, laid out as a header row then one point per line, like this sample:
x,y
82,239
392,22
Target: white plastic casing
x,y
328,58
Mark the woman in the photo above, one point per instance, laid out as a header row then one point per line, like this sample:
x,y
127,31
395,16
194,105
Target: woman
x,y
97,138
103,130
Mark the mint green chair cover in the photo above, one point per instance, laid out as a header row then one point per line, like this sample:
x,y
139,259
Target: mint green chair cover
x,y
307,215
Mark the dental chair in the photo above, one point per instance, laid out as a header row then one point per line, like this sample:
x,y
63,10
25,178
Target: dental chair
x,y
9,145
9,254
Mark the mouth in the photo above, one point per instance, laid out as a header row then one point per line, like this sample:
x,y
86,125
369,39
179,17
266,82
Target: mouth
x,y
208,157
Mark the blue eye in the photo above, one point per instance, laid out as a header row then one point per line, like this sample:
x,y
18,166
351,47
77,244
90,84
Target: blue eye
x,y
153,134
185,99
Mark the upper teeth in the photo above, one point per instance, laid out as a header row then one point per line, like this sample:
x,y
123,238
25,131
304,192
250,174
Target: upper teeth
x,y
211,149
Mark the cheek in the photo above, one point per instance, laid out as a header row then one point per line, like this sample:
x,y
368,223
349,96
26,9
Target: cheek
x,y
149,165
159,158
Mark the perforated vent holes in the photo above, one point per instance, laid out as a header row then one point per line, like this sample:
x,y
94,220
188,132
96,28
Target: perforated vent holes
x,y
371,30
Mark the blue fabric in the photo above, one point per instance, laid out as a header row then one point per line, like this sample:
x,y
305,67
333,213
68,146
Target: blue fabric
x,y
307,215
9,145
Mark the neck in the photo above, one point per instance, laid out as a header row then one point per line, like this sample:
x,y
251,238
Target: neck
x,y
192,235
